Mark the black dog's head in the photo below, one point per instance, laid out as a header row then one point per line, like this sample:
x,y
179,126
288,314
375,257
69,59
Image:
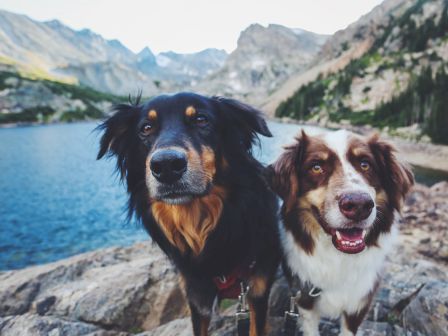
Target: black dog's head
x,y
175,145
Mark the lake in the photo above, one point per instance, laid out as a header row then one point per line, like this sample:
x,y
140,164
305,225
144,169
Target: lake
x,y
57,200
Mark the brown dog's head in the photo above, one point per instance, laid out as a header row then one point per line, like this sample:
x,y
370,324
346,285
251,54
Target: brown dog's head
x,y
344,184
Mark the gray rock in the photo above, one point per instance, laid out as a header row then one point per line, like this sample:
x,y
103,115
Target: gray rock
x,y
123,289
428,311
35,325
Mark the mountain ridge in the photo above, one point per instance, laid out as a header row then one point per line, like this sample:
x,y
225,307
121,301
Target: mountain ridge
x,y
397,83
263,59
85,55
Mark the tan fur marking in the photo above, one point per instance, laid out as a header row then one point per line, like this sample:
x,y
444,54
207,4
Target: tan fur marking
x,y
253,318
258,286
224,163
208,161
205,322
190,111
152,115
314,198
188,225
253,327
381,198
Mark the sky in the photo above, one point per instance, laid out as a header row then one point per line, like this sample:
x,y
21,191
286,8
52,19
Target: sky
x,y
190,25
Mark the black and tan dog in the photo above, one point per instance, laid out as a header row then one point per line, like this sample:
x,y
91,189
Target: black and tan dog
x,y
200,194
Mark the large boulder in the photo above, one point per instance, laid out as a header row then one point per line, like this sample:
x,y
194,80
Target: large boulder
x,y
125,289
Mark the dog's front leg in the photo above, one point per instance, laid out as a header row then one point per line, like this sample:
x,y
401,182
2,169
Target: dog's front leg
x,y
258,298
201,294
199,321
310,318
258,307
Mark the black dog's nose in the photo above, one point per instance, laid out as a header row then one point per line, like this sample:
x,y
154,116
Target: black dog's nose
x,y
168,165
356,206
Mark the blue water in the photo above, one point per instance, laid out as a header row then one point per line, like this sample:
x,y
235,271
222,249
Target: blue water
x,y
56,200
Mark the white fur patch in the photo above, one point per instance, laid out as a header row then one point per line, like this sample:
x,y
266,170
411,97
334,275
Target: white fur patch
x,y
345,279
353,180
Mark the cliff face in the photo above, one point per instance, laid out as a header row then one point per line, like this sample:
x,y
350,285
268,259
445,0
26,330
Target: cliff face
x,y
264,58
135,290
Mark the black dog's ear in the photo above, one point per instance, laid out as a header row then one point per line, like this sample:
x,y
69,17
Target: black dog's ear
x,y
119,134
396,176
246,118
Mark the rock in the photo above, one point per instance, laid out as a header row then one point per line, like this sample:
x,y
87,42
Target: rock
x,y
369,328
428,311
280,297
35,325
179,327
401,281
123,289
135,290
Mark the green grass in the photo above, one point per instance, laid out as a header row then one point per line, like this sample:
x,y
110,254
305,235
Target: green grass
x,y
36,114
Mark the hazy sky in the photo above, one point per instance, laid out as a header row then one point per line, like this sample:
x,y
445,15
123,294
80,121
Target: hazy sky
x,y
190,25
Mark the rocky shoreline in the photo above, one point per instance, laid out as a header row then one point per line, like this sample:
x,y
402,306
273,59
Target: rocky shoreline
x,y
136,291
417,152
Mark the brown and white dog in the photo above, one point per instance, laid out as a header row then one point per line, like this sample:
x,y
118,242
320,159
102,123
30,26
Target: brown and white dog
x,y
342,195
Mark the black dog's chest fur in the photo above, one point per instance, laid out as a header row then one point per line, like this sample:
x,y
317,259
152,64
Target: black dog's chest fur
x,y
246,226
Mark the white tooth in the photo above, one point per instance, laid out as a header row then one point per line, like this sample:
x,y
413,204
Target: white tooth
x,y
364,233
338,235
359,241
344,242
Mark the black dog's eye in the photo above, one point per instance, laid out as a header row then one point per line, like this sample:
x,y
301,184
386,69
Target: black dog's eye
x,y
146,129
200,120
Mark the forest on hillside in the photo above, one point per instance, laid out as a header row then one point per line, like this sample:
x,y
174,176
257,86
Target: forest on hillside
x,y
424,101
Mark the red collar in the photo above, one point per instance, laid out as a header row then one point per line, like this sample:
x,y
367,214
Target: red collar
x,y
229,285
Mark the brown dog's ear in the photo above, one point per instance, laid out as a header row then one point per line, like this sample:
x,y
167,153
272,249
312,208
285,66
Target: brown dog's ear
x,y
396,176
283,172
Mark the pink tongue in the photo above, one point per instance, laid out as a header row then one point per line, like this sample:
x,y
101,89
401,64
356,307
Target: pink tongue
x,y
351,234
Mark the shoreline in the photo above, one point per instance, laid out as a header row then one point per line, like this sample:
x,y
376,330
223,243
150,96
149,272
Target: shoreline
x,y
417,153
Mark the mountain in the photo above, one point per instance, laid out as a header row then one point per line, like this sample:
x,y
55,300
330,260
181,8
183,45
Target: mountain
x,y
87,58
389,69
197,65
338,51
27,98
263,59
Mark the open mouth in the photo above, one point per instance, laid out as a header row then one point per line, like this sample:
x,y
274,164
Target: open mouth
x,y
349,240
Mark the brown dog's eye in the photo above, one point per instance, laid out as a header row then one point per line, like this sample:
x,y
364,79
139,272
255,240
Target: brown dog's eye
x,y
317,169
146,129
200,120
364,165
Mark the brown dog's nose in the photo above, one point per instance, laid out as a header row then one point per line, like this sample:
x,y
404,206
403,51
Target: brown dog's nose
x,y
168,165
356,206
